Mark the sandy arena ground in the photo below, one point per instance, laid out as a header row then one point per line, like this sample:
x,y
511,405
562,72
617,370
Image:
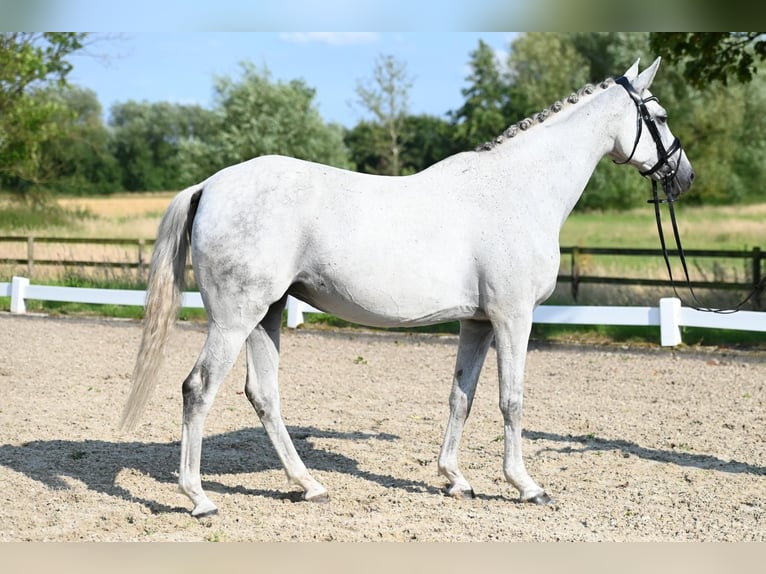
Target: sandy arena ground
x,y
634,444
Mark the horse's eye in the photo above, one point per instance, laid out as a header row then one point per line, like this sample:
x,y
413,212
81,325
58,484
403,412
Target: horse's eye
x,y
662,119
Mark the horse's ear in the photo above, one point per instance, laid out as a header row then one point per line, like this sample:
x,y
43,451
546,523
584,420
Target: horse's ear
x,y
645,78
632,72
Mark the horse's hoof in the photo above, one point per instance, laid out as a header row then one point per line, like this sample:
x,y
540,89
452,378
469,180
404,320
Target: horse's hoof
x,y
321,498
205,513
461,494
541,499
204,508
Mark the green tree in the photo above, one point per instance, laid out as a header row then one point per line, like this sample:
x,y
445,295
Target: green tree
x,y
365,142
79,160
543,67
483,113
147,138
713,56
425,140
255,115
30,62
386,98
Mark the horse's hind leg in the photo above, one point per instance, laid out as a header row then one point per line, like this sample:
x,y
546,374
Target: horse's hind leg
x,y
475,338
262,390
199,389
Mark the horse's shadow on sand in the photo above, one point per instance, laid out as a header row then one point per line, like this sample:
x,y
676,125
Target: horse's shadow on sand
x,y
97,463
593,443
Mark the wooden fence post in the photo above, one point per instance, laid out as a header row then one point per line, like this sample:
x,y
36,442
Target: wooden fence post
x,y
30,256
575,285
757,256
141,259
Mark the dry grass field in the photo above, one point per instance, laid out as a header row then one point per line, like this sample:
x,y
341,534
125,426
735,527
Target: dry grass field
x,y
134,216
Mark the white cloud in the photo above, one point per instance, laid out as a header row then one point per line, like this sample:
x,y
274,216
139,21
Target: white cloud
x,y
331,38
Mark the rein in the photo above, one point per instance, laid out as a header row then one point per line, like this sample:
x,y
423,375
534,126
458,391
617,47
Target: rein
x,y
663,156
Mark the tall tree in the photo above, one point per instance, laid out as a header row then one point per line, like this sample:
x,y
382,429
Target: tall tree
x,y
542,68
79,160
425,140
147,139
713,56
482,115
256,116
30,62
366,143
386,98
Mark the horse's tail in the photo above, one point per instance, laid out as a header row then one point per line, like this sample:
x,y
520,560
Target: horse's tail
x,y
163,299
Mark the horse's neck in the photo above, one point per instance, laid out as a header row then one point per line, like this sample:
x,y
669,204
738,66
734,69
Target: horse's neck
x,y
563,153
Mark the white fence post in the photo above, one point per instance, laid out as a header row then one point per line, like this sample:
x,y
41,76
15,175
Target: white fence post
x,y
18,288
294,312
670,322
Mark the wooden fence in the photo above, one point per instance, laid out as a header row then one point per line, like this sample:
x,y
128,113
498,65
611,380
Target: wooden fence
x,y
138,259
752,271
27,252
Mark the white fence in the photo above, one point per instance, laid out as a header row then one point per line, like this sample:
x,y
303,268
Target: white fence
x,y
669,316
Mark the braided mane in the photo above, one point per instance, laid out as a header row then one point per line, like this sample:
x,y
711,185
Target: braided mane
x,y
540,117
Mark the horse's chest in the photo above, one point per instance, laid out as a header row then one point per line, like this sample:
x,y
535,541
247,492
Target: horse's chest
x,y
530,268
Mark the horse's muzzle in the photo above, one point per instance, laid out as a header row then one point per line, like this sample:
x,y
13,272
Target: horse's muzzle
x,y
682,178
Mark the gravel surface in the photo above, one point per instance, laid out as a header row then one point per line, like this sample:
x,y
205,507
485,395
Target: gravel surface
x,y
634,444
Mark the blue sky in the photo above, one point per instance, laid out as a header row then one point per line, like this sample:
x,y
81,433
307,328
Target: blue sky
x,y
181,66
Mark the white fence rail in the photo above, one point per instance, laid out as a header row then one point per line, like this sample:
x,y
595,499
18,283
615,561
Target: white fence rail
x,y
669,316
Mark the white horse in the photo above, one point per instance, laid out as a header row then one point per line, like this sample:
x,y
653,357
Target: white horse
x,y
473,238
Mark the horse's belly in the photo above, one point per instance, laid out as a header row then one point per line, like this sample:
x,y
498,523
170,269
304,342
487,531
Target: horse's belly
x,y
386,307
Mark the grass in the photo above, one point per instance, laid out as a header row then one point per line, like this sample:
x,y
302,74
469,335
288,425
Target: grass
x,y
138,215
711,227
16,216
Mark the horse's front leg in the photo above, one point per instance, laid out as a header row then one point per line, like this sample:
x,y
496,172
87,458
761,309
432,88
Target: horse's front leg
x,y
262,390
475,338
511,340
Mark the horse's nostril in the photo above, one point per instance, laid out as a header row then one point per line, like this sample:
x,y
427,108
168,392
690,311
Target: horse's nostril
x,y
691,177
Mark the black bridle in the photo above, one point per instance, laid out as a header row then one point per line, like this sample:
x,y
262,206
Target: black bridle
x,y
663,160
644,117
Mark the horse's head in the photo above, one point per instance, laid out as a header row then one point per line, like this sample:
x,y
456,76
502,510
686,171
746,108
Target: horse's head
x,y
644,138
